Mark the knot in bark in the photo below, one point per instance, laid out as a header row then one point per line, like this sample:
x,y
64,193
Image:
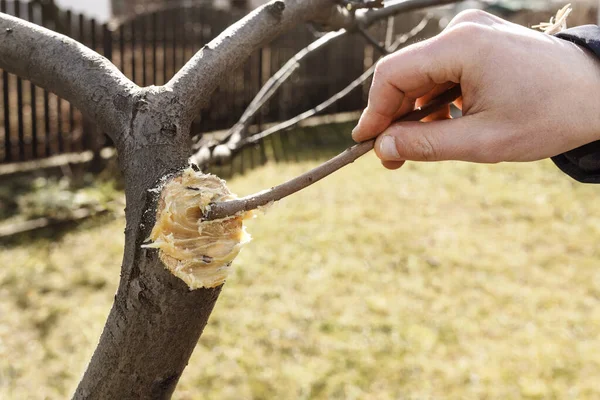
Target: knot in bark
x,y
276,9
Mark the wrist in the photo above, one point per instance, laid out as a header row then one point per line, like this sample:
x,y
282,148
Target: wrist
x,y
587,38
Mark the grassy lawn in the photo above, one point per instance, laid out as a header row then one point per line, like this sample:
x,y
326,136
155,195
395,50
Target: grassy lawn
x,y
444,280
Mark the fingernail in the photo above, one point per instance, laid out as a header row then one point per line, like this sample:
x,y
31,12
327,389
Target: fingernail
x,y
355,132
387,148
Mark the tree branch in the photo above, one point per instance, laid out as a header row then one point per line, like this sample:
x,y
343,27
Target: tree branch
x,y
68,68
330,101
367,18
236,134
201,75
251,202
374,42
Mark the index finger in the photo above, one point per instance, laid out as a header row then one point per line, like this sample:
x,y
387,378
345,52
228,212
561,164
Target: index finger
x,y
404,76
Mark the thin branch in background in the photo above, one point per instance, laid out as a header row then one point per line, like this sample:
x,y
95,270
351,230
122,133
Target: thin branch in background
x,y
203,156
362,19
313,111
389,32
358,5
336,97
367,17
374,42
270,87
251,202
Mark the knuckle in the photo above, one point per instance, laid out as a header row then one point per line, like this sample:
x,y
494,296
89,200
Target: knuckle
x,y
471,15
470,31
382,67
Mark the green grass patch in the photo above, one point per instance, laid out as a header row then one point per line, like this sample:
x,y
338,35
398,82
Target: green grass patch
x,y
446,280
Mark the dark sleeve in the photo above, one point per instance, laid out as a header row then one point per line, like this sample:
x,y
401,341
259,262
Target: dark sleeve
x,y
582,163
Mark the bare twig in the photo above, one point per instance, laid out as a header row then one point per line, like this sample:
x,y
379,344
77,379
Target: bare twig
x,y
309,113
203,156
374,42
69,69
336,97
358,5
228,208
393,8
360,20
270,87
389,32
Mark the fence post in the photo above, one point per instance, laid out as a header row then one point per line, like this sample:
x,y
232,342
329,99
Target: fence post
x,y
153,28
107,42
6,92
20,127
33,95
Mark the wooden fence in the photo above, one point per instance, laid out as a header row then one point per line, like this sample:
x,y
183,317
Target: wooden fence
x,y
149,49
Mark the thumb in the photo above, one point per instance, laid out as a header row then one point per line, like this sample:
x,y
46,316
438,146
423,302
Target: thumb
x,y
452,139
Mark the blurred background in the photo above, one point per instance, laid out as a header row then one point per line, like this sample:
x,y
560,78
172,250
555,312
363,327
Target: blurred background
x,y
446,280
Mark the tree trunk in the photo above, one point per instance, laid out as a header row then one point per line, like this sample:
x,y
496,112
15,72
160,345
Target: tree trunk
x,y
156,320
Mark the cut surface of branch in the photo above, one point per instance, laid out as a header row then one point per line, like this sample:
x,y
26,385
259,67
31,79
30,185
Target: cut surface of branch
x,y
68,68
198,252
228,208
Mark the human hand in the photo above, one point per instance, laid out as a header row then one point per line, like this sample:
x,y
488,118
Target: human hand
x,y
526,95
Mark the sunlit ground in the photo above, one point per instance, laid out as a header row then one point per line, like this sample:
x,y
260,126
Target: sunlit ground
x,y
436,281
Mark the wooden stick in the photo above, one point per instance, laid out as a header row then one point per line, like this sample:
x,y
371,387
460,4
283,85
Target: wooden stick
x,y
253,201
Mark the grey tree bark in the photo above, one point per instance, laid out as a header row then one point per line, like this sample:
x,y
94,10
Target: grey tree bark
x,y
155,321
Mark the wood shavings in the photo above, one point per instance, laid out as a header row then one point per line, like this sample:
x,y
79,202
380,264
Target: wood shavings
x,y
557,23
198,252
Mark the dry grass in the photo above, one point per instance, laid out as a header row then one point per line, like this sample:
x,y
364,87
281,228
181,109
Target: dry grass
x,y
437,281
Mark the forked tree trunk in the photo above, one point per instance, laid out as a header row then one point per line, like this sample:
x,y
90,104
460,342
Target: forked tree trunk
x,y
155,321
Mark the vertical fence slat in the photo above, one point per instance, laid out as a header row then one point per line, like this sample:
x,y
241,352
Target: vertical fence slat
x,y
69,28
94,34
92,132
33,95
153,28
143,43
122,49
107,49
6,98
174,40
184,38
20,127
164,43
132,26
81,35
107,42
47,136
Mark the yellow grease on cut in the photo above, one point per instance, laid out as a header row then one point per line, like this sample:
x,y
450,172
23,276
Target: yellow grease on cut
x,y
198,252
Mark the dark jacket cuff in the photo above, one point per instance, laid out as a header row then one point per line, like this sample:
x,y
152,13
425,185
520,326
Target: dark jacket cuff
x,y
582,163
